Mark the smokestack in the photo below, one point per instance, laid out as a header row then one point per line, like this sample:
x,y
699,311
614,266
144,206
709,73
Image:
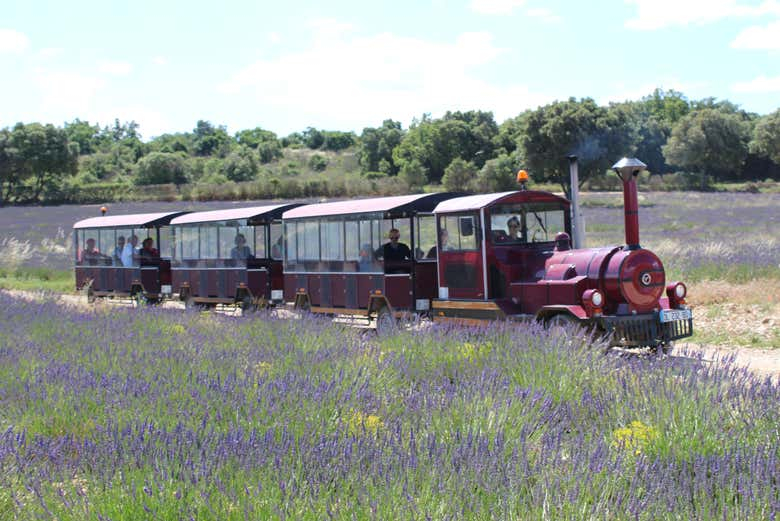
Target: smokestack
x,y
627,170
578,239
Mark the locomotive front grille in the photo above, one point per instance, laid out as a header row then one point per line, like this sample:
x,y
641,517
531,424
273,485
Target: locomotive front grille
x,y
645,330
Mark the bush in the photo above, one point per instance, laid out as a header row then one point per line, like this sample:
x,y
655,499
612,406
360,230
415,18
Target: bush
x,y
318,163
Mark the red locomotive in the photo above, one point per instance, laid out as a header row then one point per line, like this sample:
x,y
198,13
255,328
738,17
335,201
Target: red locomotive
x,y
512,258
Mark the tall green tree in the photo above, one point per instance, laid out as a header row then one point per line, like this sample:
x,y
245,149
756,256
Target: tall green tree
x,y
459,175
766,137
375,151
162,168
44,156
88,137
498,174
210,140
8,166
597,135
709,141
241,164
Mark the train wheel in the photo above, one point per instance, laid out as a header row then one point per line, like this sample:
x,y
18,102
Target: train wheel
x,y
385,322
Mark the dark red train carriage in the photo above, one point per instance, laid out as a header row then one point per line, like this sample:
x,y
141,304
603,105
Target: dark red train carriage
x,y
111,260
335,261
231,256
508,256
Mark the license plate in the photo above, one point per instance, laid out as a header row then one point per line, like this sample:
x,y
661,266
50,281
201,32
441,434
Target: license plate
x,y
166,289
672,315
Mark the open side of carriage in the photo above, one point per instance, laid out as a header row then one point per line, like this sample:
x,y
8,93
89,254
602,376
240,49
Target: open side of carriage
x,y
335,257
231,256
109,261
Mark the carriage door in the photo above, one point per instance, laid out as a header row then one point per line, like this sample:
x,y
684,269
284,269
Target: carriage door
x,y
461,273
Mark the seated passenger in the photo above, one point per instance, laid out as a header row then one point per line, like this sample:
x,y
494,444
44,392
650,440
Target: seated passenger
x,y
395,251
277,250
241,251
148,250
120,246
365,258
444,238
90,254
513,229
129,253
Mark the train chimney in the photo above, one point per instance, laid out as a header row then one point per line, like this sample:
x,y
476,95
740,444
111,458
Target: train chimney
x,y
627,170
578,239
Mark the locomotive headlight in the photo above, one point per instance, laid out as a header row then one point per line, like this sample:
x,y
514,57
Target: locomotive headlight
x,y
592,301
676,291
680,290
597,298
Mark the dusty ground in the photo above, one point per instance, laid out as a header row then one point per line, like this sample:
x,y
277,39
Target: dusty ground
x,y
729,320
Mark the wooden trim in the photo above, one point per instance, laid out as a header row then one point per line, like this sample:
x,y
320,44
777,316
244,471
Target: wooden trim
x,y
464,304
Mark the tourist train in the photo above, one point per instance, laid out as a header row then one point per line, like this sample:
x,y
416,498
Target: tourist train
x,y
454,258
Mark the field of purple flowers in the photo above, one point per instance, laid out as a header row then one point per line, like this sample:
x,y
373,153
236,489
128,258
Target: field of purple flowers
x,y
127,414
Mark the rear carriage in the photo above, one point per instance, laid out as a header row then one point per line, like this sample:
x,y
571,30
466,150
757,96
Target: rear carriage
x,y
229,256
335,263
109,261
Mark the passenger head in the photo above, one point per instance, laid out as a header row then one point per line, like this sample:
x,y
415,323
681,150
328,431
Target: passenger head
x,y
90,244
120,241
513,226
394,235
240,239
365,251
133,240
148,243
444,236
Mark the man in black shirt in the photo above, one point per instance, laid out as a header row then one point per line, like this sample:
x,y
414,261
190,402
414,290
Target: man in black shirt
x,y
395,251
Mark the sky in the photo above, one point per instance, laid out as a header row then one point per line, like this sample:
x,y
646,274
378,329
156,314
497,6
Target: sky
x,y
347,64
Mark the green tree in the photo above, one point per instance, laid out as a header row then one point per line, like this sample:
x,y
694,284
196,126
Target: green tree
x,y
459,175
375,151
161,168
88,137
179,142
210,140
334,140
241,164
596,135
43,157
766,137
313,138
9,175
318,163
252,138
414,174
709,141
498,175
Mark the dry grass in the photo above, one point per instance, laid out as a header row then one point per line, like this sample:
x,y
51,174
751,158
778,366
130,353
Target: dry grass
x,y
762,292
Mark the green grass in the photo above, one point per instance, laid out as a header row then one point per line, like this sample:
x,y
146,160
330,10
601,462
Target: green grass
x,y
37,279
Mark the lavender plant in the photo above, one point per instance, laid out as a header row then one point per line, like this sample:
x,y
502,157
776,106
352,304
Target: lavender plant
x,y
156,414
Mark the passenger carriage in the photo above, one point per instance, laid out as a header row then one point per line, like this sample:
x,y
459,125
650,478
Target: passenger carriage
x,y
334,262
108,264
231,256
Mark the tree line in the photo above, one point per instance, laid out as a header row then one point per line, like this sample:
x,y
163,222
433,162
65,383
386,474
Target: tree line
x,y
704,140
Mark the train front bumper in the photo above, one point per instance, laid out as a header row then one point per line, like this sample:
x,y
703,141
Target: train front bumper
x,y
649,329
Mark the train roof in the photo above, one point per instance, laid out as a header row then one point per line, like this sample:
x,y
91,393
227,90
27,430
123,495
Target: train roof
x,y
269,212
129,220
477,202
397,206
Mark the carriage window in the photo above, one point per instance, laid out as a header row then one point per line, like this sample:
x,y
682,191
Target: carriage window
x,y
426,237
166,242
309,241
208,242
332,240
291,245
187,239
277,244
370,234
259,239
402,225
461,231
352,240
107,244
521,223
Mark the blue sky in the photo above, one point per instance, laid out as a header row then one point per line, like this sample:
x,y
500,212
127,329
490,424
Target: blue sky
x,y
346,65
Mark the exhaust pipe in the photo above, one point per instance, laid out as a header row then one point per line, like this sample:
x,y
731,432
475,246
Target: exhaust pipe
x,y
578,225
627,170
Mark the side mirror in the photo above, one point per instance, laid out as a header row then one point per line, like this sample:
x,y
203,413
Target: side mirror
x,y
466,225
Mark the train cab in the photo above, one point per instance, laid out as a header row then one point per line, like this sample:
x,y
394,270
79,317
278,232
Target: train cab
x,y
124,256
371,257
489,241
231,256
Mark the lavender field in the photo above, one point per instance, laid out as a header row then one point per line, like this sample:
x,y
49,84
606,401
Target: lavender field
x,y
125,414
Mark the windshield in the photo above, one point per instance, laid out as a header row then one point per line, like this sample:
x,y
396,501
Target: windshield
x,y
526,223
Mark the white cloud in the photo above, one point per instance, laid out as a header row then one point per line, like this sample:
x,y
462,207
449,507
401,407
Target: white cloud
x,y
758,37
497,7
115,68
68,91
351,82
13,42
543,14
151,123
658,14
50,52
759,85
160,60
623,92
